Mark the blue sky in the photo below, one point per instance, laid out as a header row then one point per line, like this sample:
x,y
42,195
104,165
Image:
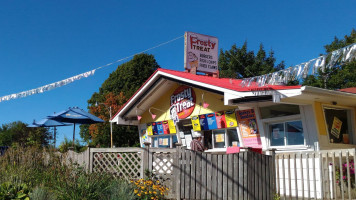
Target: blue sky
x,y
47,41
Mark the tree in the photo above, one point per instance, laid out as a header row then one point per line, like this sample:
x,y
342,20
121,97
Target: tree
x,y
18,134
114,92
242,63
338,77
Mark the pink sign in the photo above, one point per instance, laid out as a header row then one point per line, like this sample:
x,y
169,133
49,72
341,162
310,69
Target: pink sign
x,y
230,150
249,129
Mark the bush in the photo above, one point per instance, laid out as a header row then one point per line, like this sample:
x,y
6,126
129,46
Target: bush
x,y
44,173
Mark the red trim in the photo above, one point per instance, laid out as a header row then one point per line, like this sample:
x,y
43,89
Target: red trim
x,y
349,90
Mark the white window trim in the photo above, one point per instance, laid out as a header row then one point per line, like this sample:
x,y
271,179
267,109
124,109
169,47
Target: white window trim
x,y
297,117
352,115
226,138
151,138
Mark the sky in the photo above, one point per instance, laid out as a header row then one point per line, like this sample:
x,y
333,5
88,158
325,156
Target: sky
x,y
43,41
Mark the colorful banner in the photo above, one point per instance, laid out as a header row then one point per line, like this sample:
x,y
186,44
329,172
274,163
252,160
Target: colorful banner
x,y
160,128
149,129
201,52
165,127
172,127
230,118
248,128
220,119
154,128
203,122
211,121
196,123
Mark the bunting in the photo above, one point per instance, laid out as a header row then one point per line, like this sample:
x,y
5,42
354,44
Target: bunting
x,y
282,77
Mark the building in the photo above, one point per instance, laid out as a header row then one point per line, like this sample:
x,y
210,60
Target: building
x,y
287,118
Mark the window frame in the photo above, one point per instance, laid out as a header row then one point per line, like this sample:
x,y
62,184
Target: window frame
x,y
226,138
158,136
298,117
285,136
351,114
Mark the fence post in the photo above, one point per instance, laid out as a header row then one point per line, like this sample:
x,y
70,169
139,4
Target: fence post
x,y
273,173
90,160
177,169
146,159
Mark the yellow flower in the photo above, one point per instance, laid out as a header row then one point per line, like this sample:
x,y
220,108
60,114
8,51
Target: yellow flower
x,y
135,191
139,194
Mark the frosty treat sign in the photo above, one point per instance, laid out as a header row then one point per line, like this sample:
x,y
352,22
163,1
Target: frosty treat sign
x,y
201,52
183,102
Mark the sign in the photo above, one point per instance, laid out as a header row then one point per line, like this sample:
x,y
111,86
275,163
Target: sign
x,y
172,127
230,118
211,121
248,128
160,128
219,138
196,123
149,129
143,134
220,119
230,150
154,128
183,99
203,122
336,127
173,114
201,52
165,127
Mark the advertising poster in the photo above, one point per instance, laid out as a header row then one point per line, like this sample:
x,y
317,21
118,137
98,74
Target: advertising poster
x,y
201,52
154,128
230,118
220,119
166,127
211,121
149,129
336,127
203,122
172,127
160,128
143,134
248,128
196,123
219,138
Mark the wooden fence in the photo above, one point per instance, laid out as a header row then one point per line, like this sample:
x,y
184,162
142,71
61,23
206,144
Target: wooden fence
x,y
189,174
328,174
246,175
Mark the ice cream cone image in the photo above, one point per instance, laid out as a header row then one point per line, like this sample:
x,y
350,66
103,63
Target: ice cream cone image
x,y
193,60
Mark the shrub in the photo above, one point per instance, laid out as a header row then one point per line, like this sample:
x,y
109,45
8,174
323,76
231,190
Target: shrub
x,y
42,193
15,190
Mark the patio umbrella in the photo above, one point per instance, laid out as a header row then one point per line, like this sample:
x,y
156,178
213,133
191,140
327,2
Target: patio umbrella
x,y
48,123
75,115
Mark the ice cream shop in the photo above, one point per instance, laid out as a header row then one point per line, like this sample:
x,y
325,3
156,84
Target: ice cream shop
x,y
172,106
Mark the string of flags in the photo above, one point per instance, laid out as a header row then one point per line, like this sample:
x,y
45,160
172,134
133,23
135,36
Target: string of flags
x,y
67,81
311,67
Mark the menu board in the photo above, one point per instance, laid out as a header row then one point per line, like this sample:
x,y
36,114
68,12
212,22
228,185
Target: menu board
x,y
230,118
248,128
211,121
172,127
196,123
159,128
149,129
219,138
203,122
336,127
220,119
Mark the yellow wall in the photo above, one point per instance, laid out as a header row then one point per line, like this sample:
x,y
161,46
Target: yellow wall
x,y
320,119
215,101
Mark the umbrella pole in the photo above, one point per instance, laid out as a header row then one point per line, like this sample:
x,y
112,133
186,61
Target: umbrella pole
x,y
73,136
54,136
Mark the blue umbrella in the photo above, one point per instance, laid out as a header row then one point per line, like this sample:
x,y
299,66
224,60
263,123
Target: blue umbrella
x,y
75,115
48,123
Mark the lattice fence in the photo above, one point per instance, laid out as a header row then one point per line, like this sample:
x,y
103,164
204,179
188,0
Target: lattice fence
x,y
121,163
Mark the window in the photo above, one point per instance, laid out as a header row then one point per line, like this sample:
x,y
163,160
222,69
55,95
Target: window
x,y
283,125
164,141
338,123
279,110
286,133
222,138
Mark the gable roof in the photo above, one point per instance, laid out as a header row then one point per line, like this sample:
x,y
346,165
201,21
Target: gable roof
x,y
223,86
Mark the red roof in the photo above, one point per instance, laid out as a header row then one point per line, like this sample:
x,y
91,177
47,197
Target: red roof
x,y
349,90
227,83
